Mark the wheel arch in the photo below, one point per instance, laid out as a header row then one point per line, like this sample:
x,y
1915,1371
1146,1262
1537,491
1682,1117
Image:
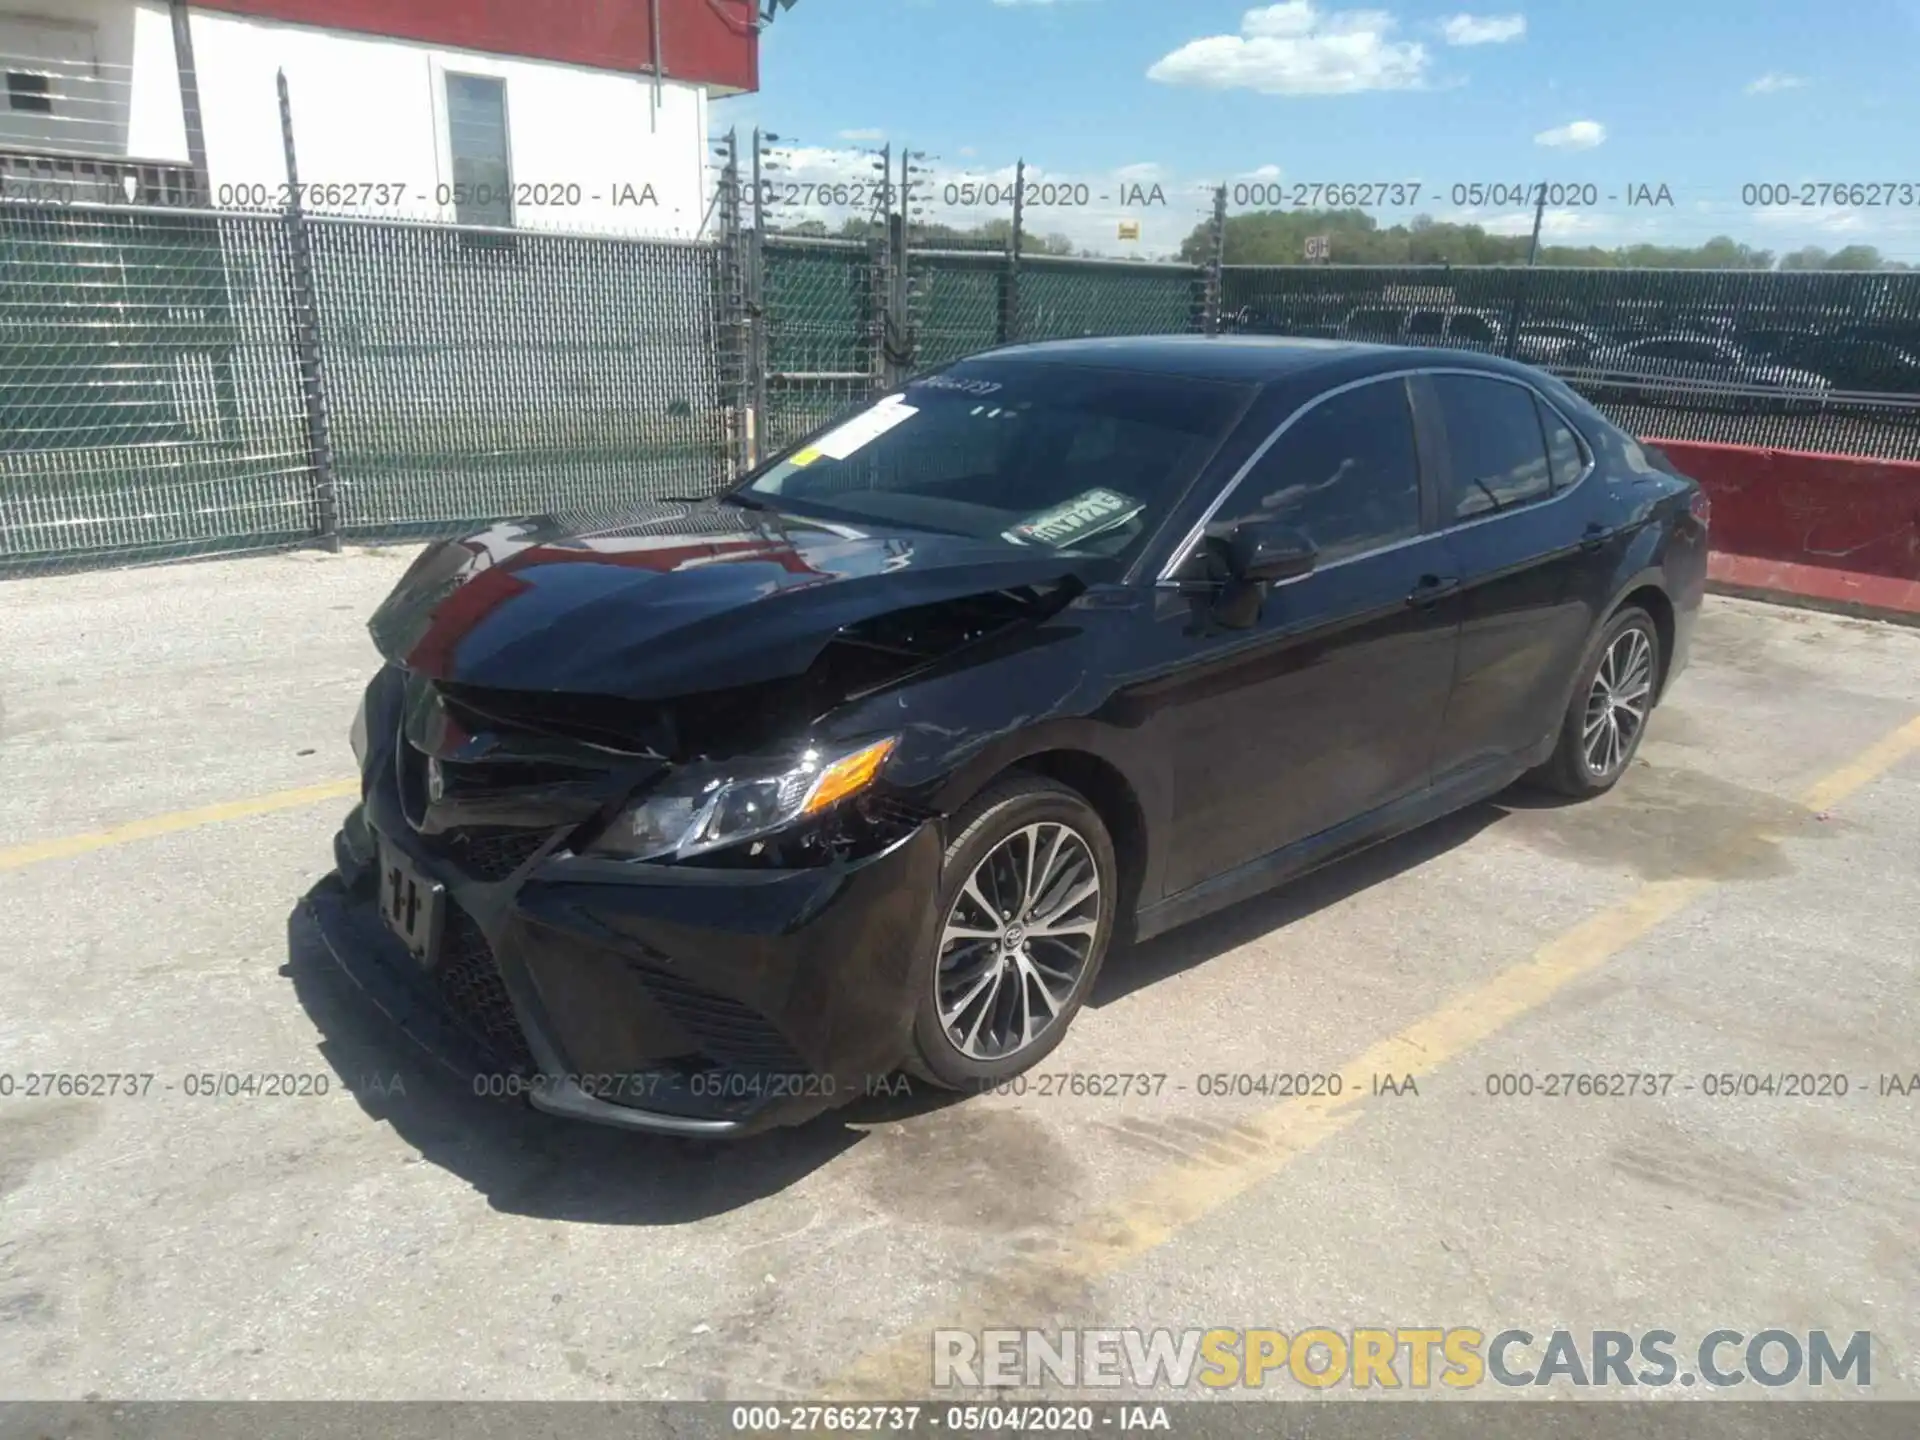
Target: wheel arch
x,y
1102,781
1653,599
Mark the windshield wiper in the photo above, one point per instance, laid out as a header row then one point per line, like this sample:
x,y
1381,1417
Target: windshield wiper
x,y
744,501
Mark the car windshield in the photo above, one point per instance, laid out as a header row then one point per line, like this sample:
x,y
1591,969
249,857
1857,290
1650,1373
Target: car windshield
x,y
1059,457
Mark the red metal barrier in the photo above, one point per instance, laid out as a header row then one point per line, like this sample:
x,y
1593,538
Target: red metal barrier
x,y
1835,531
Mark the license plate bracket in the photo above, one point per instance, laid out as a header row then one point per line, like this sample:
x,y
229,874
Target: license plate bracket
x,y
413,906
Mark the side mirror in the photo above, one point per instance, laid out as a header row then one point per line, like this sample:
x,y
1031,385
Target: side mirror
x,y
1262,550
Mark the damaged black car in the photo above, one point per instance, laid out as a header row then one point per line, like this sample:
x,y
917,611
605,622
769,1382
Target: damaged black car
x,y
713,814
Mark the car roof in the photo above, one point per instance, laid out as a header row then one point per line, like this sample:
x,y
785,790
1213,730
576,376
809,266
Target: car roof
x,y
1244,359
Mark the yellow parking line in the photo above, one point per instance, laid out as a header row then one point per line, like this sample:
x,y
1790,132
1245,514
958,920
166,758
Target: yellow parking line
x,y
16,856
1046,1280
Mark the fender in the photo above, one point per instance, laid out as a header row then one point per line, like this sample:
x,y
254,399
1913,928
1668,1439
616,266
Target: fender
x,y
1128,752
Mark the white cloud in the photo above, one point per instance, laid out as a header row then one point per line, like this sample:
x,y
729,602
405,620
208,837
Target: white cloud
x,y
968,150
1294,48
1580,135
863,135
1483,29
1264,172
1144,171
1820,219
1774,81
818,162
1554,225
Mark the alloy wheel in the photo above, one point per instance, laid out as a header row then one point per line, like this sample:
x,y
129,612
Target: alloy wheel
x,y
1618,702
1017,940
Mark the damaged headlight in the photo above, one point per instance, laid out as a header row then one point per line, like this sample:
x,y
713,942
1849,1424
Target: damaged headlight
x,y
707,807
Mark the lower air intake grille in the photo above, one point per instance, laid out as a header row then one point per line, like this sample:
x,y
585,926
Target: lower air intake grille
x,y
470,983
489,854
734,1034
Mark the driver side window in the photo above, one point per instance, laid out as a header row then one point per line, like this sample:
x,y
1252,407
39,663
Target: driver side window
x,y
1346,474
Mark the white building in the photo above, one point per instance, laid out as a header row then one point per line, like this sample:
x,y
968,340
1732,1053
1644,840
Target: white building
x,y
590,116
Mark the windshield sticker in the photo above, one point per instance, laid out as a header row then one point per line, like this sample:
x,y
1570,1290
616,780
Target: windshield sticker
x,y
1090,513
804,458
863,429
950,382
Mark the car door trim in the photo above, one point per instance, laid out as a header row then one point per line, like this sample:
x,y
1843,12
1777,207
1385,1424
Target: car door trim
x,y
1166,580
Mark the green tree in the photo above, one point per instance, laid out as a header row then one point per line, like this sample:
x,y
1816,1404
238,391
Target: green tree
x,y
1279,237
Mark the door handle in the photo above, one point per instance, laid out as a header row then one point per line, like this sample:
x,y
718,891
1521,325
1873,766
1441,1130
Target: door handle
x,y
1596,535
1432,589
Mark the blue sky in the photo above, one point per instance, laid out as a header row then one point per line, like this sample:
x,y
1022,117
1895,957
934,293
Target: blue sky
x,y
1702,96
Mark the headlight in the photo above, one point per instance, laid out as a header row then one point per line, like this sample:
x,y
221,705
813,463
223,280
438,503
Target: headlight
x,y
357,735
707,807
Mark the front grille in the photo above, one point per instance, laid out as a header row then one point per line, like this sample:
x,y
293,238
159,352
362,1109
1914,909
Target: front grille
x,y
488,854
469,981
734,1034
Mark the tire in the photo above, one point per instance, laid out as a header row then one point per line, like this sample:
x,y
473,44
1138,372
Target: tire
x,y
991,839
1624,666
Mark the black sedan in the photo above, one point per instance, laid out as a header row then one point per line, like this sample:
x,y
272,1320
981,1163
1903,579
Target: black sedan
x,y
714,814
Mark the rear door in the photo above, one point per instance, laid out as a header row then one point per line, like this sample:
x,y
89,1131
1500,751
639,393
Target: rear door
x,y
1329,705
1528,540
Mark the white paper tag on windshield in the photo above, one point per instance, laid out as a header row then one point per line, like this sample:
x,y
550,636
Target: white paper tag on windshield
x,y
842,441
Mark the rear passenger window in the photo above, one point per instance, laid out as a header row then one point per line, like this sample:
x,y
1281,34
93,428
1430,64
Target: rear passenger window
x,y
1495,444
1565,454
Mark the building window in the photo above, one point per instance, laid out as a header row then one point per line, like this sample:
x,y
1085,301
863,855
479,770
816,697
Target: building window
x,y
29,92
477,142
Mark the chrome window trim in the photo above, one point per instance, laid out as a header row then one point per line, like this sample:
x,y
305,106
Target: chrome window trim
x,y
1192,537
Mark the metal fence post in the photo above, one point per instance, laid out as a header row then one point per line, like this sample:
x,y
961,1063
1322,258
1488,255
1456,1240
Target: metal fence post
x,y
896,359
733,324
756,293
904,341
1010,278
1516,308
306,326
1216,265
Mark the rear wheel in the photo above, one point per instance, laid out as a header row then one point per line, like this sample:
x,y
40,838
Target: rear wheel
x,y
1608,715
1027,901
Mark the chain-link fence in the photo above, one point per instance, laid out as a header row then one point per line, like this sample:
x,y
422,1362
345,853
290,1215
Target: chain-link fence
x,y
472,374
177,381
1802,360
821,304
150,399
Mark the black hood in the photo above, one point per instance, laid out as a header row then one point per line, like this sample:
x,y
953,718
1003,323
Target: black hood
x,y
674,599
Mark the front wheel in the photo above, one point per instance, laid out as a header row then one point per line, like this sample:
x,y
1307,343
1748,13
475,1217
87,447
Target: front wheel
x,y
1028,894
1608,716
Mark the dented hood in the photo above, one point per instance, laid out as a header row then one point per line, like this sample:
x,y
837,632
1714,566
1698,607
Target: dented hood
x,y
673,599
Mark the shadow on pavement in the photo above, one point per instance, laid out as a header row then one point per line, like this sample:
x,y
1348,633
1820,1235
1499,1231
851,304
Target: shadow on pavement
x,y
1170,954
530,1163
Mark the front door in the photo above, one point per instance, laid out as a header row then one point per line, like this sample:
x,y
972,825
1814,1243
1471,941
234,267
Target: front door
x,y
1328,705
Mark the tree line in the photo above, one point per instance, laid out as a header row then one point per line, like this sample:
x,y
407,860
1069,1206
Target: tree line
x,y
1277,237
991,235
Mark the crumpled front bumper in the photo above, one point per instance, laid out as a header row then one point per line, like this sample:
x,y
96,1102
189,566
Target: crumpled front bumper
x,y
675,999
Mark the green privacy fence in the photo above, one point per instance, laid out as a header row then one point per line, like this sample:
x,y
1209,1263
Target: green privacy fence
x,y
148,402
178,382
